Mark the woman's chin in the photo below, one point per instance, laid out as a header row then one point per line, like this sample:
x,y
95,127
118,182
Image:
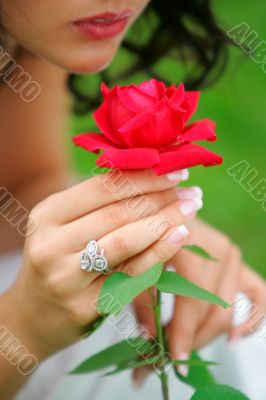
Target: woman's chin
x,y
88,67
86,62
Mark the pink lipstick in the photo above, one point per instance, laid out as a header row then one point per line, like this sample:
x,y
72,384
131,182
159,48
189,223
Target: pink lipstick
x,y
103,25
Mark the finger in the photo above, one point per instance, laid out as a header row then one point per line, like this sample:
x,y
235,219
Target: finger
x,y
114,216
85,301
134,238
139,375
145,317
127,241
144,313
252,311
217,323
82,305
189,192
104,189
189,313
161,250
219,320
145,229
181,330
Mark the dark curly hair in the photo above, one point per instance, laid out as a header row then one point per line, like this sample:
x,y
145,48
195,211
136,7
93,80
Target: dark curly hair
x,y
183,30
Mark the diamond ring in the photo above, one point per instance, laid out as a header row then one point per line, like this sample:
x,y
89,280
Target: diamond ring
x,y
90,260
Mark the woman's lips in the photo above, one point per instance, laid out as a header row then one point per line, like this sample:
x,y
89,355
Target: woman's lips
x,y
104,25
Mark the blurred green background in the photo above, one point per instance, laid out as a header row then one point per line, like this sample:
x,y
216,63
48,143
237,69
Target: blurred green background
x,y
237,102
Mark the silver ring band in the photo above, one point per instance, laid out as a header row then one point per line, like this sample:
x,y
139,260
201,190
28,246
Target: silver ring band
x,y
90,260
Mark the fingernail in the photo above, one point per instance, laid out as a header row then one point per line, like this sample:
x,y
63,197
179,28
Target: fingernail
x,y
170,268
188,207
233,341
178,234
189,192
140,377
178,176
183,369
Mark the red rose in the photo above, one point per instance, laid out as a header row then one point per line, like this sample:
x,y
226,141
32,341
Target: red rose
x,y
145,126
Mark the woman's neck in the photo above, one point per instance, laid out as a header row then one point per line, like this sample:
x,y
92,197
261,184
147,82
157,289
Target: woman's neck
x,y
33,156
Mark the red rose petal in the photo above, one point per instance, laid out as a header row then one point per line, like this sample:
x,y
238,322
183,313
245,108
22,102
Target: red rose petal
x,y
111,115
139,158
199,130
136,122
153,88
175,96
105,89
169,124
185,156
92,142
101,116
191,103
134,99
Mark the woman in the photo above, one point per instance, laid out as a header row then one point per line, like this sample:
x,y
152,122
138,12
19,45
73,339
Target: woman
x,y
48,306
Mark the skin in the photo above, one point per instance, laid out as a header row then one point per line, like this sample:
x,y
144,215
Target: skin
x,y
50,283
43,23
196,323
50,279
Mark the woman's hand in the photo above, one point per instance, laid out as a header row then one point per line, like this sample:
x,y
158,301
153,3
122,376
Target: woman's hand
x,y
196,323
53,300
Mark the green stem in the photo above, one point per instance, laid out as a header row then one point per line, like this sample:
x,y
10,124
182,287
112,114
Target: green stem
x,y
156,304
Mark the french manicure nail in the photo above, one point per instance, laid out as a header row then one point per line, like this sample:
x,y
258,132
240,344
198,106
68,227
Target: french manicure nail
x,y
183,369
189,192
178,234
233,342
178,176
140,377
188,207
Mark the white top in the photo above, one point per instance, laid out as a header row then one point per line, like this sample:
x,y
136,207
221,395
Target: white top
x,y
244,367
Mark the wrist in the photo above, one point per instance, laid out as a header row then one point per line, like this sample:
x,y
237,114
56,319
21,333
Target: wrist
x,y
18,325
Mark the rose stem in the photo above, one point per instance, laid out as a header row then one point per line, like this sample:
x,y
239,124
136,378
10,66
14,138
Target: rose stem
x,y
156,305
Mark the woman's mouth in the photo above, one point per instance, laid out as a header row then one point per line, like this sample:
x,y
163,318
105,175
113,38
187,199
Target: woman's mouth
x,y
104,25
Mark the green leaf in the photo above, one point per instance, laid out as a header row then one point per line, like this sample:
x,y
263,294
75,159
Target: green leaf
x,y
118,353
195,363
120,289
199,251
171,282
198,378
218,392
92,327
132,365
148,361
